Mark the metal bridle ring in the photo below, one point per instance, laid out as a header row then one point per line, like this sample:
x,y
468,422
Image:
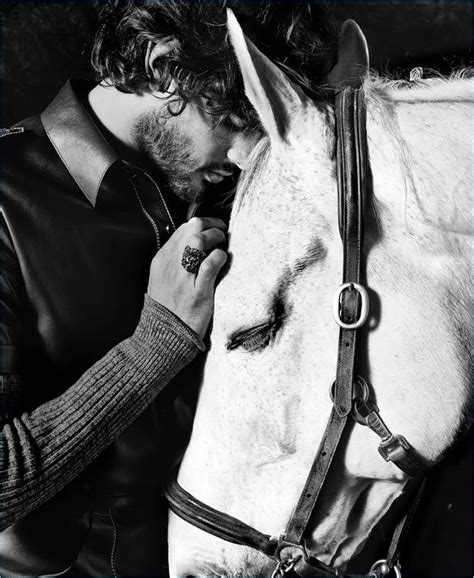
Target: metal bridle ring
x,y
381,568
192,259
284,567
360,390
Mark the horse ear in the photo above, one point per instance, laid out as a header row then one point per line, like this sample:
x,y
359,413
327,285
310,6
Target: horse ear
x,y
352,57
268,89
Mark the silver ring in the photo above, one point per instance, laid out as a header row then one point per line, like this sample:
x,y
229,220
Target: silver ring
x,y
192,259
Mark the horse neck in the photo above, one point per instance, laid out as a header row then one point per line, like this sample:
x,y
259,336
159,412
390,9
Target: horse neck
x,y
419,154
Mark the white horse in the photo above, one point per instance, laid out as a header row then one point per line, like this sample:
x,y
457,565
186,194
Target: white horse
x,y
264,400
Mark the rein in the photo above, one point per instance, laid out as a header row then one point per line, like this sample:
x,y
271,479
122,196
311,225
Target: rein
x,y
350,393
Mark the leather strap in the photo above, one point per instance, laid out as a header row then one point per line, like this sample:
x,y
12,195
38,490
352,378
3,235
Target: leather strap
x,y
317,475
228,528
219,524
232,530
397,450
401,531
351,174
351,155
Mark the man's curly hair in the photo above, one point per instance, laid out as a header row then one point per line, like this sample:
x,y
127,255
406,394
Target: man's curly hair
x,y
298,35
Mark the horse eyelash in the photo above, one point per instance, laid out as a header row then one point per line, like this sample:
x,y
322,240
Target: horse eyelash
x,y
256,337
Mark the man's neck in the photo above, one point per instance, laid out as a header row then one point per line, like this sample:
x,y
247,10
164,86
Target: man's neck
x,y
116,114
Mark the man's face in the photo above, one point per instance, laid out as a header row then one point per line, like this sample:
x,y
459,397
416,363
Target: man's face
x,y
189,152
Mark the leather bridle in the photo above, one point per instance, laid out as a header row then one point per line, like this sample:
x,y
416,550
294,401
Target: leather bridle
x,y
350,393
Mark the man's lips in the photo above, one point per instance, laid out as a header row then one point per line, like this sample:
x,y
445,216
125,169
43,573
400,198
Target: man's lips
x,y
216,175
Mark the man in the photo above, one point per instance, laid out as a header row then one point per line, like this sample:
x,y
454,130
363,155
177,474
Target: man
x,y
93,189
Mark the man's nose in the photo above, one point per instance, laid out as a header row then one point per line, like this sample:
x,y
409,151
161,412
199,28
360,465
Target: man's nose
x,y
240,149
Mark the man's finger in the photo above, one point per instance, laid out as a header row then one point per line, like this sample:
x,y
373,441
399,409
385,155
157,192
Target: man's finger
x,y
201,223
208,239
209,269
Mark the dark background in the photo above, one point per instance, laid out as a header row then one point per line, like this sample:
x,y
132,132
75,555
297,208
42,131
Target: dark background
x,y
44,43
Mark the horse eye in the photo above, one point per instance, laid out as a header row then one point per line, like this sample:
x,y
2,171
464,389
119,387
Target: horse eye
x,y
255,338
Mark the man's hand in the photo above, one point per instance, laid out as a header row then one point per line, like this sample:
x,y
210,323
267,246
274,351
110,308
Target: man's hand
x,y
189,296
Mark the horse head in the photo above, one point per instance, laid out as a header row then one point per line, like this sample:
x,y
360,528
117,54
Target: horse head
x,y
265,399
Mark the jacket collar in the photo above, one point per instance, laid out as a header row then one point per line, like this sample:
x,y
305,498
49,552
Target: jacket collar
x,y
79,143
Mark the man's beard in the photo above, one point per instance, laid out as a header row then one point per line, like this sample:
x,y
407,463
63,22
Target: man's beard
x,y
169,154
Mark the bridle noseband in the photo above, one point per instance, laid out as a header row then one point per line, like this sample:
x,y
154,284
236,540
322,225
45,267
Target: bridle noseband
x,y
350,393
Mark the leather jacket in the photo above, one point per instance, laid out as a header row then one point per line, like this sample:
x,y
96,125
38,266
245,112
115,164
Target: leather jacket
x,y
81,228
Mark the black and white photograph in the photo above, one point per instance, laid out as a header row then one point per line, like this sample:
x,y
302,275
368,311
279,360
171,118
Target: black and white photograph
x,y
236,288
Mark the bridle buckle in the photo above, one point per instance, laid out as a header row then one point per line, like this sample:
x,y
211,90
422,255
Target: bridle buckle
x,y
364,305
393,444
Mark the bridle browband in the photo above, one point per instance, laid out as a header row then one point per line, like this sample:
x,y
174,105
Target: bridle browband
x,y
350,393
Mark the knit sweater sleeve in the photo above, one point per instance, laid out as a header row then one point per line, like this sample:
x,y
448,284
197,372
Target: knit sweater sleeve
x,y
44,450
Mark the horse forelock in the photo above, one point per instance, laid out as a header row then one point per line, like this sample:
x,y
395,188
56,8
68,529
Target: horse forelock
x,y
251,173
311,139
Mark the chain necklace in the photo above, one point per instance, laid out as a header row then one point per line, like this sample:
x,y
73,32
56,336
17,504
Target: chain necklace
x,y
163,202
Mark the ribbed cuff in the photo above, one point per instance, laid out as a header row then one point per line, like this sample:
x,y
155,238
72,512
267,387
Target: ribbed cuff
x,y
156,319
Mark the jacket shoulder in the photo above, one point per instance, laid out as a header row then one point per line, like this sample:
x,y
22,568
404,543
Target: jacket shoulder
x,y
11,131
21,143
32,125
26,155
24,135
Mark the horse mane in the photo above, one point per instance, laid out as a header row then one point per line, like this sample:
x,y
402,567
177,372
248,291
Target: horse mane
x,y
381,93
384,94
457,87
